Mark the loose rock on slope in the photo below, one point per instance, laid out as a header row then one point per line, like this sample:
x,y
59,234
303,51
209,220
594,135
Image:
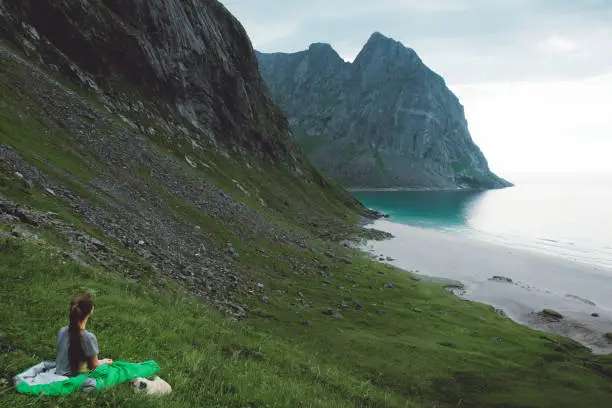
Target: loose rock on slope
x,y
122,92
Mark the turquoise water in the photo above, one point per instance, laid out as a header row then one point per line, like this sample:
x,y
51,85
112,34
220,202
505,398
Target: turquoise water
x,y
566,215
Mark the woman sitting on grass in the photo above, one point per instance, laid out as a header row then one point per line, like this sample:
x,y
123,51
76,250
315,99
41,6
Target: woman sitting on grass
x,y
75,345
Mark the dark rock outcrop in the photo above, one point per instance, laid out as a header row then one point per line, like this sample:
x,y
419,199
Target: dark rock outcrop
x,y
191,56
385,120
549,313
501,279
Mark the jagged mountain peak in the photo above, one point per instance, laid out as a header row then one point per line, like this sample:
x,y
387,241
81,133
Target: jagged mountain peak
x,y
385,120
381,41
377,35
378,39
382,50
324,52
321,47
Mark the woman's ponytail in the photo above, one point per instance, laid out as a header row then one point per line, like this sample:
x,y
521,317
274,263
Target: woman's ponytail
x,y
80,308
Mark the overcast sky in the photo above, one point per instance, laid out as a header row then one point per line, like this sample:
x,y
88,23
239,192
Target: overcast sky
x,y
535,76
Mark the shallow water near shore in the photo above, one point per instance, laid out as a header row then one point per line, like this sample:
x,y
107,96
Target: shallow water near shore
x,y
550,242
565,215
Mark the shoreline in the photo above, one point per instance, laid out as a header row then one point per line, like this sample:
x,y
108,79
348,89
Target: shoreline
x,y
433,189
530,281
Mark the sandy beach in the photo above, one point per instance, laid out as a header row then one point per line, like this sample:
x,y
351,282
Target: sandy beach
x,y
581,293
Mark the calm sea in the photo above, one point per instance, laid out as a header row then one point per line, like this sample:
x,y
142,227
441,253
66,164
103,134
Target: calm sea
x,y
565,215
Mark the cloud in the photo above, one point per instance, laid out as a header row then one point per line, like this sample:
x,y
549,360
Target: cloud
x,y
464,40
558,44
272,33
542,126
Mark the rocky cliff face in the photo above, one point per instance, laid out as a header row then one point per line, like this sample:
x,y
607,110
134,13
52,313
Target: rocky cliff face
x,y
193,56
385,120
143,132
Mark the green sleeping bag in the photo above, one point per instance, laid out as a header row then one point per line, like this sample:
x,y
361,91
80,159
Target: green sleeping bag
x,y
106,376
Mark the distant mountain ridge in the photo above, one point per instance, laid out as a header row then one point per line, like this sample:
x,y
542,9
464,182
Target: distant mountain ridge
x,y
385,120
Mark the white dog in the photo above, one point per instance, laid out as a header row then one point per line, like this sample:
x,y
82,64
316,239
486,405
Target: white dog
x,y
157,386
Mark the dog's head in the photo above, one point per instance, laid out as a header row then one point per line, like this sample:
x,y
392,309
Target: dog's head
x,y
139,384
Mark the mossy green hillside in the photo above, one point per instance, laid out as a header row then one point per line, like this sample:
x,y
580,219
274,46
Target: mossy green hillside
x,y
209,360
290,195
335,339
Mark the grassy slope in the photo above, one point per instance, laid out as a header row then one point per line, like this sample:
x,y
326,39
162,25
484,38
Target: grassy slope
x,y
452,353
209,360
395,358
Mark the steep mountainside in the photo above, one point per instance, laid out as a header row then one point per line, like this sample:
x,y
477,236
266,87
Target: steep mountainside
x,y
148,125
385,120
143,162
190,57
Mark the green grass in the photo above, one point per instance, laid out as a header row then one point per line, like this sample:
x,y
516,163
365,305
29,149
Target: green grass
x,y
209,360
452,353
22,128
44,144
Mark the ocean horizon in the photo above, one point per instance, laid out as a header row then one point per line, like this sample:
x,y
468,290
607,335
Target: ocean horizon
x,y
568,215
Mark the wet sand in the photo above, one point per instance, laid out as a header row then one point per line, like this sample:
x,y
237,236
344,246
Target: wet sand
x,y
538,281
